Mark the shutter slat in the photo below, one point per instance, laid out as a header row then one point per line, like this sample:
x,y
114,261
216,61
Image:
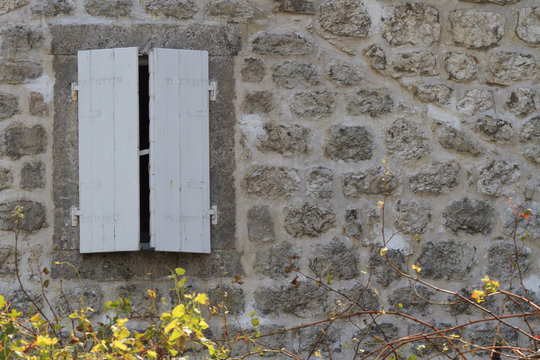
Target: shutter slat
x,y
108,150
180,151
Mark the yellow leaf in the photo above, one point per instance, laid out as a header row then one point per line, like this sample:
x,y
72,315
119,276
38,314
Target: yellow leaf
x,y
151,354
119,345
202,299
179,311
45,341
383,251
417,268
151,293
2,302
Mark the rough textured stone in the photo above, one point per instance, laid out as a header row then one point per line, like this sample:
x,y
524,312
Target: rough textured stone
x,y
320,182
532,152
253,70
411,217
405,140
383,273
318,336
439,177
17,141
271,181
52,8
276,262
314,104
483,335
530,130
37,105
33,175
414,63
502,257
370,336
178,9
308,220
459,306
522,101
344,74
476,100
498,2
369,182
265,42
6,179
494,129
528,24
454,139
470,216
335,259
258,102
412,303
109,8
532,226
288,140
35,216
445,260
373,102
376,57
362,298
432,93
231,297
260,224
411,23
92,296
353,224
349,143
235,11
9,105
344,18
512,66
7,261
295,6
461,67
22,303
18,72
476,29
520,306
19,40
305,299
9,5
291,74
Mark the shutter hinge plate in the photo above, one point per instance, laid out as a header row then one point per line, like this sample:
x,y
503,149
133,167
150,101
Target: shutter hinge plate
x,y
75,213
212,87
214,215
74,91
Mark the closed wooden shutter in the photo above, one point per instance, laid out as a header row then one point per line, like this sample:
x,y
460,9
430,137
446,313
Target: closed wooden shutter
x,y
108,150
179,151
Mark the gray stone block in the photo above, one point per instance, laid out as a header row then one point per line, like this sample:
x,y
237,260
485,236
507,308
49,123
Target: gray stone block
x,y
319,337
368,182
359,298
530,130
496,177
494,129
26,303
51,8
372,337
432,93
470,216
231,297
532,152
383,273
335,259
77,299
320,182
439,177
502,258
413,299
177,9
260,224
17,141
7,261
344,18
109,8
9,106
349,143
476,29
6,179
528,25
476,100
265,42
532,225
411,217
406,140
507,66
411,23
308,220
18,72
288,140
295,6
353,224
18,41
258,102
235,11
291,74
460,66
253,70
454,139
35,215
344,74
33,175
376,57
10,5
314,104
448,260
373,102
522,101
498,2
278,261
306,299
414,64
37,105
271,182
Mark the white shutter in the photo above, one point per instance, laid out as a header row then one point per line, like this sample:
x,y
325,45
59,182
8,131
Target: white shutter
x,y
179,151
108,150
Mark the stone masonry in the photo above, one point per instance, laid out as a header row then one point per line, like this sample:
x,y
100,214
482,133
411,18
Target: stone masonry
x,y
312,96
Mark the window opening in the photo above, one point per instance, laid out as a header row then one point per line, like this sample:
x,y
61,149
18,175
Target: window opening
x,y
144,145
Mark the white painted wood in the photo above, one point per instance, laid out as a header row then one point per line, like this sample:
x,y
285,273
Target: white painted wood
x,y
108,150
179,151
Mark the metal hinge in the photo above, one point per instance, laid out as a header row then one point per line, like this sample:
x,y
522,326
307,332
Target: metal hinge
x,y
74,91
212,87
213,215
75,213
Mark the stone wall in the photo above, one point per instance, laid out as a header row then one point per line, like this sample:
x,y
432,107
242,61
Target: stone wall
x,y
312,96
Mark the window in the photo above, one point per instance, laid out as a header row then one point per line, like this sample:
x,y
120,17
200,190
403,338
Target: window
x,y
143,151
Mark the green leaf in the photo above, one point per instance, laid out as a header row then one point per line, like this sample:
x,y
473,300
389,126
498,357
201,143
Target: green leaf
x,y
46,284
412,357
180,271
255,321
